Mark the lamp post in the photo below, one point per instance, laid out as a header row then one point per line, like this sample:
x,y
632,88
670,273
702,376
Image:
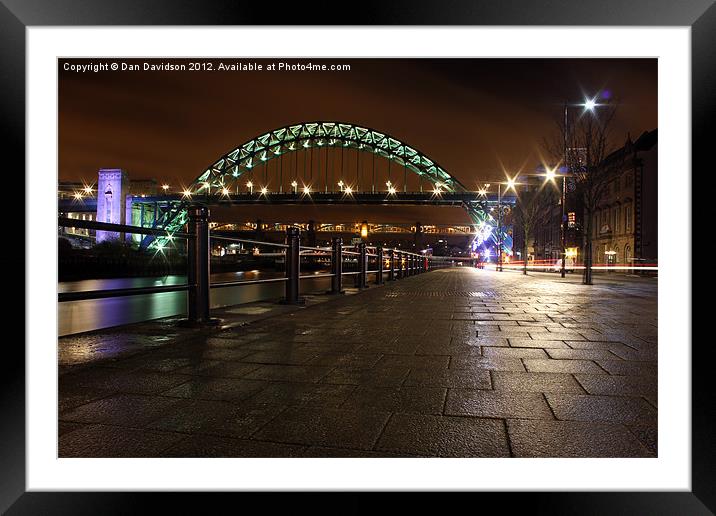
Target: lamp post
x,y
510,183
499,227
562,232
588,105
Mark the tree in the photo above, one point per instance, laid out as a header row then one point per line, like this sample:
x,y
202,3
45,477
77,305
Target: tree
x,y
532,205
584,145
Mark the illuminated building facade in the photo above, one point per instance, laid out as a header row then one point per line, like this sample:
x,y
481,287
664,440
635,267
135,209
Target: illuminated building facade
x,y
625,222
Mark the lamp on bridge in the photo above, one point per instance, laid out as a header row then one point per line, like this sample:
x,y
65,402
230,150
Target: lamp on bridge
x,y
294,184
250,186
340,185
364,230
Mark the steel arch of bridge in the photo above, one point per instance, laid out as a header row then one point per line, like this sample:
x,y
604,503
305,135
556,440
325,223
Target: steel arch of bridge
x,y
230,167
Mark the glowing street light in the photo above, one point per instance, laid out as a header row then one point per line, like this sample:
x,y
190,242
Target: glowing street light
x,y
590,104
250,186
550,174
294,184
186,194
348,190
225,191
340,185
264,190
364,229
511,183
78,196
306,189
88,190
165,187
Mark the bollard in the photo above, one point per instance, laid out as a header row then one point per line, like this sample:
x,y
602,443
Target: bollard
x,y
362,266
292,265
198,266
391,270
337,266
379,274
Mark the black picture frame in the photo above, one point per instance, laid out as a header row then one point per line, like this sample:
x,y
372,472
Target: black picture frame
x,y
17,15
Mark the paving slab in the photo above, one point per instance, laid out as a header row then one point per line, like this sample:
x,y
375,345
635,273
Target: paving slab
x,y
539,438
358,429
497,404
444,436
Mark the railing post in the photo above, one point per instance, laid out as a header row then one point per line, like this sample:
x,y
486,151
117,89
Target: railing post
x,y
362,266
292,265
379,274
337,266
198,265
391,259
401,272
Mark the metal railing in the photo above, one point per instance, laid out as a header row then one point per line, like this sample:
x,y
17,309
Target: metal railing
x,y
397,263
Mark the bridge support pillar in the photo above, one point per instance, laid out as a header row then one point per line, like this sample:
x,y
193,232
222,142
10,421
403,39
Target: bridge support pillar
x,y
362,266
379,274
337,266
292,265
198,266
391,270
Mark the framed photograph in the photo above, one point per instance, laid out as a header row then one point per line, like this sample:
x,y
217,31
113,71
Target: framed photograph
x,y
434,249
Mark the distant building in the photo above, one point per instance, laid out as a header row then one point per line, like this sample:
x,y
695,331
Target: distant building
x,y
625,222
112,188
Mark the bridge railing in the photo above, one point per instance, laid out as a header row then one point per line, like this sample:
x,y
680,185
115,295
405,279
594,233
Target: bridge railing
x,y
334,262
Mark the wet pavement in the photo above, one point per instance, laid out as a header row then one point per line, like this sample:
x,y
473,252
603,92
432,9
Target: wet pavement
x,y
453,363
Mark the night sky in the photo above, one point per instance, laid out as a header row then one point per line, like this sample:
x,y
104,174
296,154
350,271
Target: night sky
x,y
470,115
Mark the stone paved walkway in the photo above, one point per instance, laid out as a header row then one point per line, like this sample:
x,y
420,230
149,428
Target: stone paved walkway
x,y
453,363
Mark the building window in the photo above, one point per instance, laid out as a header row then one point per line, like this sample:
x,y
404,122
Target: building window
x,y
627,218
617,219
628,180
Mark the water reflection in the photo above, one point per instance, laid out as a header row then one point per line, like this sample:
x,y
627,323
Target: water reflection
x,y
82,316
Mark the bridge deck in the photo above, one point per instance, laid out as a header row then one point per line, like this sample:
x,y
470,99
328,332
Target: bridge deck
x,y
456,362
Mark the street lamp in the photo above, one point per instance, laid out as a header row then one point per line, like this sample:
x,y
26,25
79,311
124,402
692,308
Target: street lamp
x,y
250,186
340,185
510,185
294,184
589,104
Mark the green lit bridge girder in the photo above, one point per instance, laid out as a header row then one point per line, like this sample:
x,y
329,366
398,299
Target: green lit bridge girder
x,y
224,174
